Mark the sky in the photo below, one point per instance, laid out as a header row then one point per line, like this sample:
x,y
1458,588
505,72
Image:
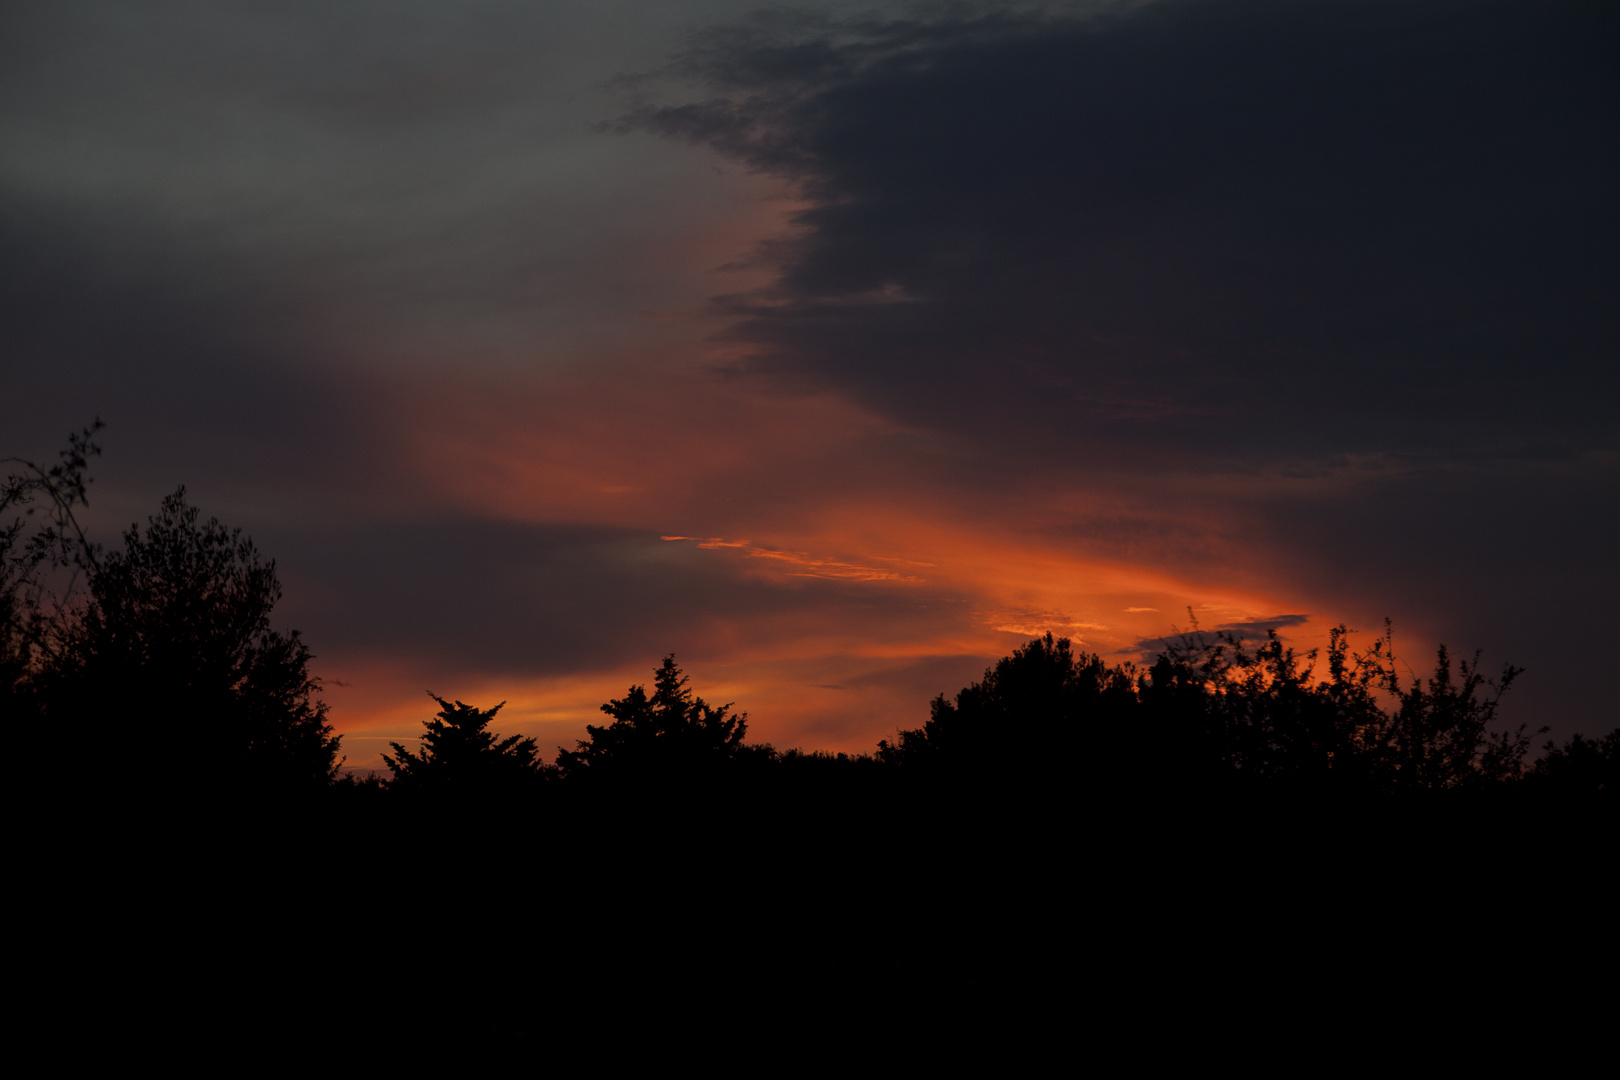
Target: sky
x,y
835,348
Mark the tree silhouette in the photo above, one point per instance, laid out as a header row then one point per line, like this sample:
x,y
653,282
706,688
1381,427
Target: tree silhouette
x,y
32,544
1439,737
1214,709
459,753
171,672
670,731
1032,710
1210,710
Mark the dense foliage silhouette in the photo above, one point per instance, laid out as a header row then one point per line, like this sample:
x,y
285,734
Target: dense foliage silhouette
x,y
175,647
460,755
154,665
670,731
1580,767
1036,706
1211,711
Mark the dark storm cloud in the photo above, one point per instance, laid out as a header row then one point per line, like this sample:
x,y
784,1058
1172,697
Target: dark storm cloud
x,y
1356,263
1225,231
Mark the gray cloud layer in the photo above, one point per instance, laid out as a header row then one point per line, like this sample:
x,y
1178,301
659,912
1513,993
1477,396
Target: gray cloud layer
x,y
1228,229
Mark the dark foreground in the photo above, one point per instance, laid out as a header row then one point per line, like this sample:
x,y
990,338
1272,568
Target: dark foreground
x,y
920,922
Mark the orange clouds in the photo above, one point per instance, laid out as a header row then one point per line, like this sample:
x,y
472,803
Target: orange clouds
x,y
882,577
801,564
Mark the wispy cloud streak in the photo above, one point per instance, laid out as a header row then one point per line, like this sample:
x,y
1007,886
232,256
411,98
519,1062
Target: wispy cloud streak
x,y
803,563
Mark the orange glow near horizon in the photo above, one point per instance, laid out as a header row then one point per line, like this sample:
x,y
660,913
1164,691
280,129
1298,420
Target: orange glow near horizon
x,y
937,583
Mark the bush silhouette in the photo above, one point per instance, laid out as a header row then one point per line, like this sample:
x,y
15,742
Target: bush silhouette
x,y
1269,715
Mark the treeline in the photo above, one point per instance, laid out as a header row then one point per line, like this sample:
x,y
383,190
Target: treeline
x,y
139,664
186,811
1208,716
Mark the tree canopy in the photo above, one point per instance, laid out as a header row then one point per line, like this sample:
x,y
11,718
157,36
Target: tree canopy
x,y
1210,710
1036,705
460,754
172,665
670,730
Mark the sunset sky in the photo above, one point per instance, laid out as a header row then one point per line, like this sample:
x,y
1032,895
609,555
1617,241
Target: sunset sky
x,y
835,348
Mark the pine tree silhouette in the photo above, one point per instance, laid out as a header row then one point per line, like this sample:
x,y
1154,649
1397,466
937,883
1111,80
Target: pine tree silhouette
x,y
459,753
672,730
